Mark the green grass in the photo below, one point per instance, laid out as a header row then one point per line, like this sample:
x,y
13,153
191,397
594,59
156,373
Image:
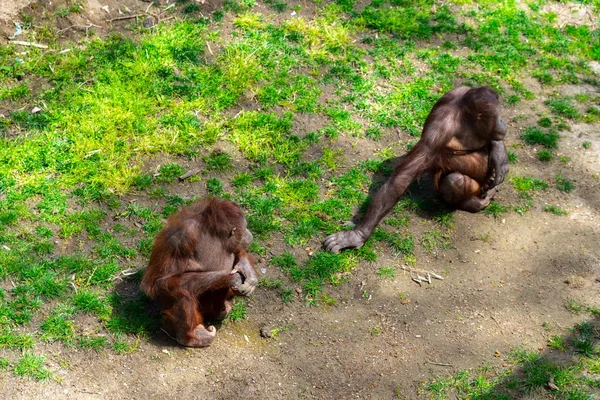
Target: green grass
x,y
534,135
563,183
555,210
557,342
387,273
238,312
270,283
545,122
526,184
287,295
436,240
32,366
218,161
495,209
575,306
401,243
544,155
563,108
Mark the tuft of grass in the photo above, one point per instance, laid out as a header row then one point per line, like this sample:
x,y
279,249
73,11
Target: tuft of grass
x,y
375,331
191,8
32,366
403,243
88,302
544,155
387,273
495,209
533,136
563,108
563,183
526,184
168,173
592,115
270,283
58,327
123,346
435,239
242,180
13,340
575,306
557,342
214,187
287,295
96,343
239,312
218,161
545,122
555,210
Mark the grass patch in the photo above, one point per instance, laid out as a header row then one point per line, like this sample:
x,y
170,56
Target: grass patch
x,y
563,183
533,136
32,366
218,161
555,210
544,155
529,373
387,273
435,239
239,311
527,184
563,108
495,209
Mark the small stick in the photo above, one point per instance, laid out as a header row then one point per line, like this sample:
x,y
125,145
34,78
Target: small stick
x,y
22,43
79,26
496,321
189,173
436,276
125,17
440,364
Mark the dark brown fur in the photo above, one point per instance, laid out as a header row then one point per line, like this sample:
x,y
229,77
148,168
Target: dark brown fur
x,y
198,263
461,144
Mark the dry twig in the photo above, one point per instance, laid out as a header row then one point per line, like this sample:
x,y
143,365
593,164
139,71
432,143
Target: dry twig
x,y
32,44
125,17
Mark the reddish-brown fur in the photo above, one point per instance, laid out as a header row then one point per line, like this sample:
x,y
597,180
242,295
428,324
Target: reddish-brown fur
x,y
198,263
461,144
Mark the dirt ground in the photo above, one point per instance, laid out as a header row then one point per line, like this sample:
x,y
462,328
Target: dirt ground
x,y
496,295
10,8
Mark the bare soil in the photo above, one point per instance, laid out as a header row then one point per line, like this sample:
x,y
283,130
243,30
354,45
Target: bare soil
x,y
496,295
10,8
